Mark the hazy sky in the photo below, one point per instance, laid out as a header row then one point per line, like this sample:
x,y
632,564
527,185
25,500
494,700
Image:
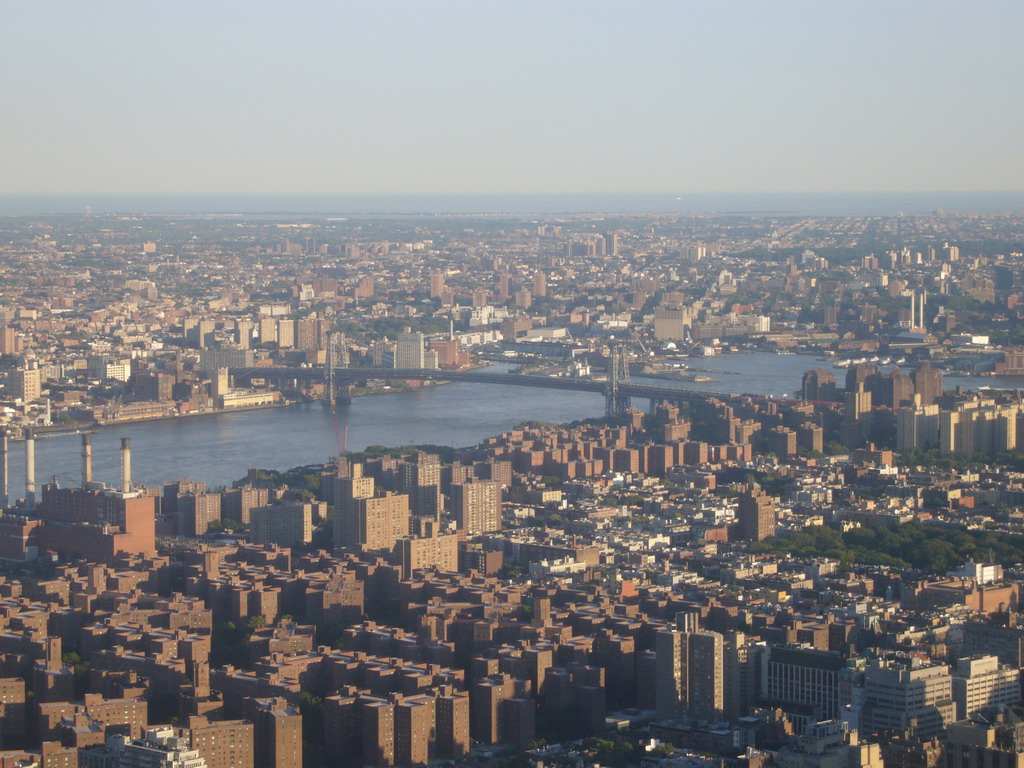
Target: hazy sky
x,y
492,96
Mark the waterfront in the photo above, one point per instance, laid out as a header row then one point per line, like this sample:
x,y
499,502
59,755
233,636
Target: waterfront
x,y
218,448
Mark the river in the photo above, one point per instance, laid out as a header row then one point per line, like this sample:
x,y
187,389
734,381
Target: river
x,y
219,448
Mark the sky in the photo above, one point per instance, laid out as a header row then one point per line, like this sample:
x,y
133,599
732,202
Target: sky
x,y
493,96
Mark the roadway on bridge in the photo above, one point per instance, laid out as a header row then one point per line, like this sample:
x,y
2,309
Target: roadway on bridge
x,y
348,375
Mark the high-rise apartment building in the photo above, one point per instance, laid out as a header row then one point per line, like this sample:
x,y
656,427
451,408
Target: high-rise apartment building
x,y
154,385
243,333
540,284
220,385
477,506
278,729
196,511
419,476
27,383
414,729
781,441
411,351
368,521
268,330
502,712
979,426
927,382
288,524
452,723
818,385
802,681
756,515
862,374
8,340
856,416
742,673
431,550
437,285
286,334
917,427
378,719
238,503
691,675
897,389
12,712
222,743
365,288
307,334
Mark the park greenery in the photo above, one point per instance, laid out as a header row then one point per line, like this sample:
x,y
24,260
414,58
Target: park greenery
x,y
917,457
931,548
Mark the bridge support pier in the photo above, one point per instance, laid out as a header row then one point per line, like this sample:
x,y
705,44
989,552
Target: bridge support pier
x,y
615,403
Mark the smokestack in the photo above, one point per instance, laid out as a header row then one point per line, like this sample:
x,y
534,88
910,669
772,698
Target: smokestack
x,y
30,469
924,295
126,464
913,309
86,459
3,469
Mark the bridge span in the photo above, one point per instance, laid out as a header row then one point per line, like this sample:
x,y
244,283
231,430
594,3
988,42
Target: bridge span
x,y
618,392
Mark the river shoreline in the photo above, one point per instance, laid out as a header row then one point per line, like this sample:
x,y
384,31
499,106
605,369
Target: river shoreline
x,y
41,432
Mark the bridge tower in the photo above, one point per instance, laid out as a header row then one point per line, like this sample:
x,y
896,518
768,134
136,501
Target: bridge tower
x,y
615,402
337,357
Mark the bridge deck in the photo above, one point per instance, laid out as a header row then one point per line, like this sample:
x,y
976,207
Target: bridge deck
x,y
347,375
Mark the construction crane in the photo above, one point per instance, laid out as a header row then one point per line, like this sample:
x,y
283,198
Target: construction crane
x,y
640,343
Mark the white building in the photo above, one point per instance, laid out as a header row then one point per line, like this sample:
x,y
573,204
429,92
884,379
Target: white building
x,y
907,695
411,352
159,747
981,682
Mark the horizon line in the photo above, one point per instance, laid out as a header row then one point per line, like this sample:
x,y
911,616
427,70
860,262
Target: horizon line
x,y
523,193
